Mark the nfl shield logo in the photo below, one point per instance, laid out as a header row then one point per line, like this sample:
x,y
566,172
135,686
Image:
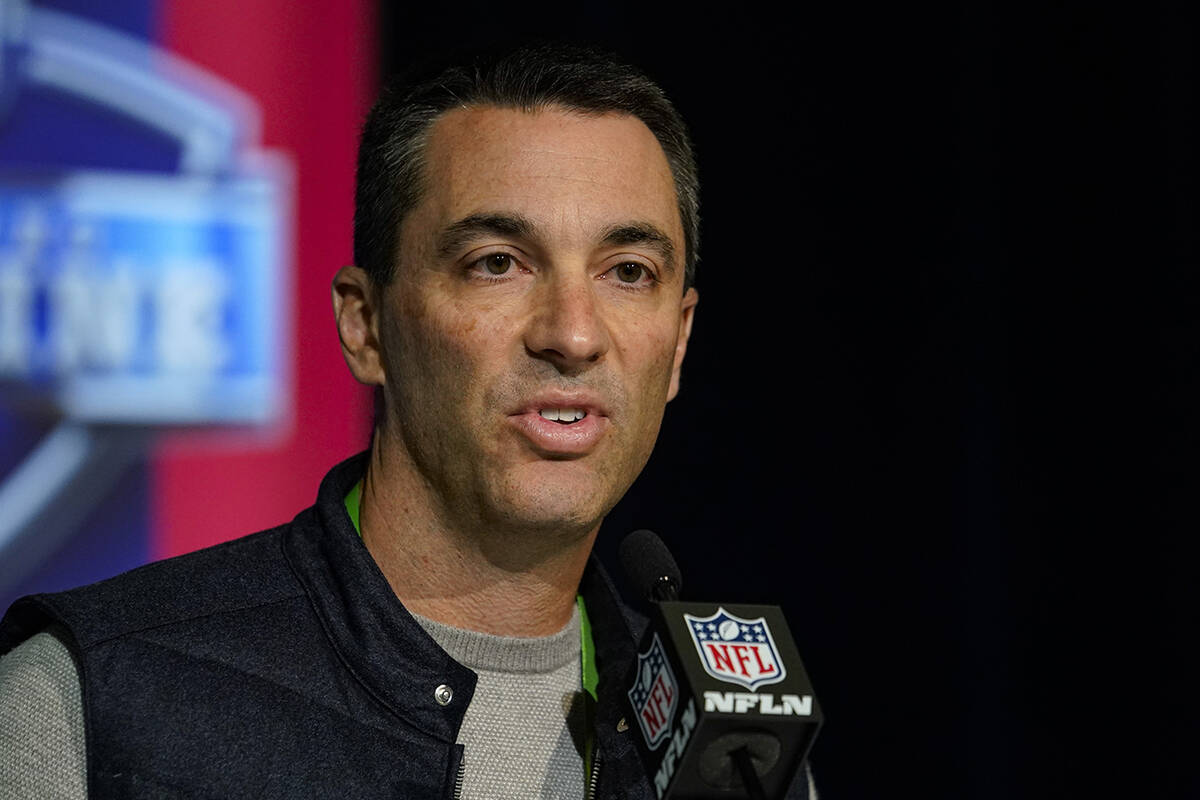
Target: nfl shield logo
x,y
654,694
736,650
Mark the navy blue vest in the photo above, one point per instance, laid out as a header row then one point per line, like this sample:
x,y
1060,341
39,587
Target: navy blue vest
x,y
283,665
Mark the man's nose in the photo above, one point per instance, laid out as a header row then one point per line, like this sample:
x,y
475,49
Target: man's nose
x,y
567,327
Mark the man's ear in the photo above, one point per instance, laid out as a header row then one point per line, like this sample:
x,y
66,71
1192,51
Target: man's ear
x,y
357,316
688,310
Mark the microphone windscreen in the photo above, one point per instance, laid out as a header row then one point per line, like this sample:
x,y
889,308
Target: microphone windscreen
x,y
649,566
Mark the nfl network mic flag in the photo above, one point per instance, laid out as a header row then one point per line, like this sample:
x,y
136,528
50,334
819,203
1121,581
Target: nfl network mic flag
x,y
711,680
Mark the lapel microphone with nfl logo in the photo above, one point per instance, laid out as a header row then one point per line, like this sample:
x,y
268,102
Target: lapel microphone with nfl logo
x,y
721,700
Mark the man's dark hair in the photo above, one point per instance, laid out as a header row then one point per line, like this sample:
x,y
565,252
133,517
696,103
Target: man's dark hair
x,y
391,155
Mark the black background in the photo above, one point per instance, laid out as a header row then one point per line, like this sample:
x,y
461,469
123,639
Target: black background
x,y
940,401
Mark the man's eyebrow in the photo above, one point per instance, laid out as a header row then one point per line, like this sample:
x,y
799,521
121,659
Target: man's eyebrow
x,y
646,234
456,234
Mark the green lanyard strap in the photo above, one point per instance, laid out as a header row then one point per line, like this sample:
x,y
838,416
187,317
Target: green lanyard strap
x,y
587,650
353,497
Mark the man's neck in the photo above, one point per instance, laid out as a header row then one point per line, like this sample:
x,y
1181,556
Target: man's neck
x,y
504,582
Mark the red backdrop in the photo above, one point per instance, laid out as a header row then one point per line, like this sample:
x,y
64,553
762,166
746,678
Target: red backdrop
x,y
312,69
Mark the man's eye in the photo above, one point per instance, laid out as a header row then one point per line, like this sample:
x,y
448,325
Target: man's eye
x,y
630,272
498,263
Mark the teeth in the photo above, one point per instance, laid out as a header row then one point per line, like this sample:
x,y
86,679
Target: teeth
x,y
566,415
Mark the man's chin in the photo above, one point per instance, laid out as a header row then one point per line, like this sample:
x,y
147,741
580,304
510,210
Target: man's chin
x,y
567,517
563,508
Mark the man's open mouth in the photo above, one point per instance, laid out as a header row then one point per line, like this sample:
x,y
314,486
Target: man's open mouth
x,y
563,416
566,426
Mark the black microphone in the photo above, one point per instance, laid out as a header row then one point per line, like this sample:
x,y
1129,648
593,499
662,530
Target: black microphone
x,y
721,699
650,566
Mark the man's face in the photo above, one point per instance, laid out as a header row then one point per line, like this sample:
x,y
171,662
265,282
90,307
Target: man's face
x,y
540,276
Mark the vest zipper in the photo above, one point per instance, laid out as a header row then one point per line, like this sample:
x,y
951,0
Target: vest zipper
x,y
458,780
594,778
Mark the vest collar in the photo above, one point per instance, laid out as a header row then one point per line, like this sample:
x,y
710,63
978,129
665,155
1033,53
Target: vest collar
x,y
376,637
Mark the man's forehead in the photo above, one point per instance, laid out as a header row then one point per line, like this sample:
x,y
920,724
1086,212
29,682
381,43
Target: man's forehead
x,y
547,164
464,125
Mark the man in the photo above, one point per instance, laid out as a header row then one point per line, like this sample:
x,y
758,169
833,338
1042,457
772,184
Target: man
x,y
525,240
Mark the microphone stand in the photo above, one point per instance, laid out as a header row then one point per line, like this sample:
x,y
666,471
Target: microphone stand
x,y
741,760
